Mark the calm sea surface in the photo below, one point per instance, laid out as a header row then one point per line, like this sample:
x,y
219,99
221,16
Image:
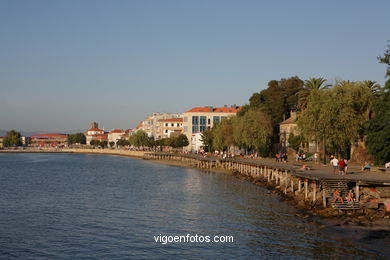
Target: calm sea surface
x,y
67,206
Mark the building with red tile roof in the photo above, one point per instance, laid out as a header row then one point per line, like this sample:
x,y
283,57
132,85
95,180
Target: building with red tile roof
x,y
170,127
198,119
49,140
93,133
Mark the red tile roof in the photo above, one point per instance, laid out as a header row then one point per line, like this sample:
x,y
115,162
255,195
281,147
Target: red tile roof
x,y
215,109
96,130
49,135
172,120
116,131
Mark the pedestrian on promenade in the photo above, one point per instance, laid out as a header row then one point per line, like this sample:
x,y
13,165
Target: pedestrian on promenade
x,y
341,165
315,157
285,157
277,157
335,164
346,166
387,165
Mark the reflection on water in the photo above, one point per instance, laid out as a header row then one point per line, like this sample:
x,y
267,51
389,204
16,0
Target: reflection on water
x,y
67,206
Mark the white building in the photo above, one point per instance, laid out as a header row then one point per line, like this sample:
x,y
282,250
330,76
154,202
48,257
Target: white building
x,y
152,125
115,135
198,119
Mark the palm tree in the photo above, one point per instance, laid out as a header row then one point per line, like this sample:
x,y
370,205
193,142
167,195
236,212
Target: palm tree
x,y
311,85
375,87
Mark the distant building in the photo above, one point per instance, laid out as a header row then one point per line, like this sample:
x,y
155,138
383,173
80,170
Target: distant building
x,y
171,127
115,135
49,140
95,134
1,141
198,119
152,124
287,127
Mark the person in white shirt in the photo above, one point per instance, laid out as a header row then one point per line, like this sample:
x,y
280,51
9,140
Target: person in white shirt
x,y
387,165
335,163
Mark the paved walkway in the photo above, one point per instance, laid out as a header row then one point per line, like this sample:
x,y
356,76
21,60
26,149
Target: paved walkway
x,y
320,171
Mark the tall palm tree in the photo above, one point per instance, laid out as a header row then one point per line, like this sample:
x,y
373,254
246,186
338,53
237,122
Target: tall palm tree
x,y
375,87
311,85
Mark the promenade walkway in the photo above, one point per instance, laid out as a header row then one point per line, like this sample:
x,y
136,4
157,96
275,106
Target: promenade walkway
x,y
320,171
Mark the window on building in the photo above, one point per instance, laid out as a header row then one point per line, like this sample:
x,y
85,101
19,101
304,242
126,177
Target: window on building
x,y
195,120
172,125
202,120
215,120
166,131
177,125
195,129
208,121
202,128
223,117
166,124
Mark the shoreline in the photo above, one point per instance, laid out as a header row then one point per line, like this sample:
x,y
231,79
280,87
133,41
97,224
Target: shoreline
x,y
326,216
322,216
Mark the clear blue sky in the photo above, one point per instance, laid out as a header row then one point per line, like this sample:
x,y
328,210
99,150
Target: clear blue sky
x,y
64,64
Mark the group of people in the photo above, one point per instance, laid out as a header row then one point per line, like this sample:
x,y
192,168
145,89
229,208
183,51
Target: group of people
x,y
338,196
300,157
339,166
281,157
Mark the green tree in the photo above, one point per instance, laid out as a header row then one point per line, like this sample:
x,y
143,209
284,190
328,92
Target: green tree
x,y
385,59
104,144
378,130
112,144
140,139
122,142
335,115
257,131
374,87
223,135
78,138
295,141
181,141
311,85
12,138
207,139
95,143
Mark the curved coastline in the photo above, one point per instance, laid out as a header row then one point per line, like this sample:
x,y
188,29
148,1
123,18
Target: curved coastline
x,y
326,217
347,225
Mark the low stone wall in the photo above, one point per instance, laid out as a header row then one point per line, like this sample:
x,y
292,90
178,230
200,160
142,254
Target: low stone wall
x,y
313,191
137,154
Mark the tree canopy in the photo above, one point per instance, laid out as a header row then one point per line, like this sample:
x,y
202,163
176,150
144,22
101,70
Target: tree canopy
x,y
78,138
139,139
12,138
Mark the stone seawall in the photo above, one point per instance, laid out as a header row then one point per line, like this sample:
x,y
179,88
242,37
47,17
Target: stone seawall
x,y
136,154
314,191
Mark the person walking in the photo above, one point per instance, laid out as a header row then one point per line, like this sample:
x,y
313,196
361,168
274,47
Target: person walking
x,y
341,165
315,157
335,164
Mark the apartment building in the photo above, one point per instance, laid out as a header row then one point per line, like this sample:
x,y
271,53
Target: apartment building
x,y
198,119
171,127
152,125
